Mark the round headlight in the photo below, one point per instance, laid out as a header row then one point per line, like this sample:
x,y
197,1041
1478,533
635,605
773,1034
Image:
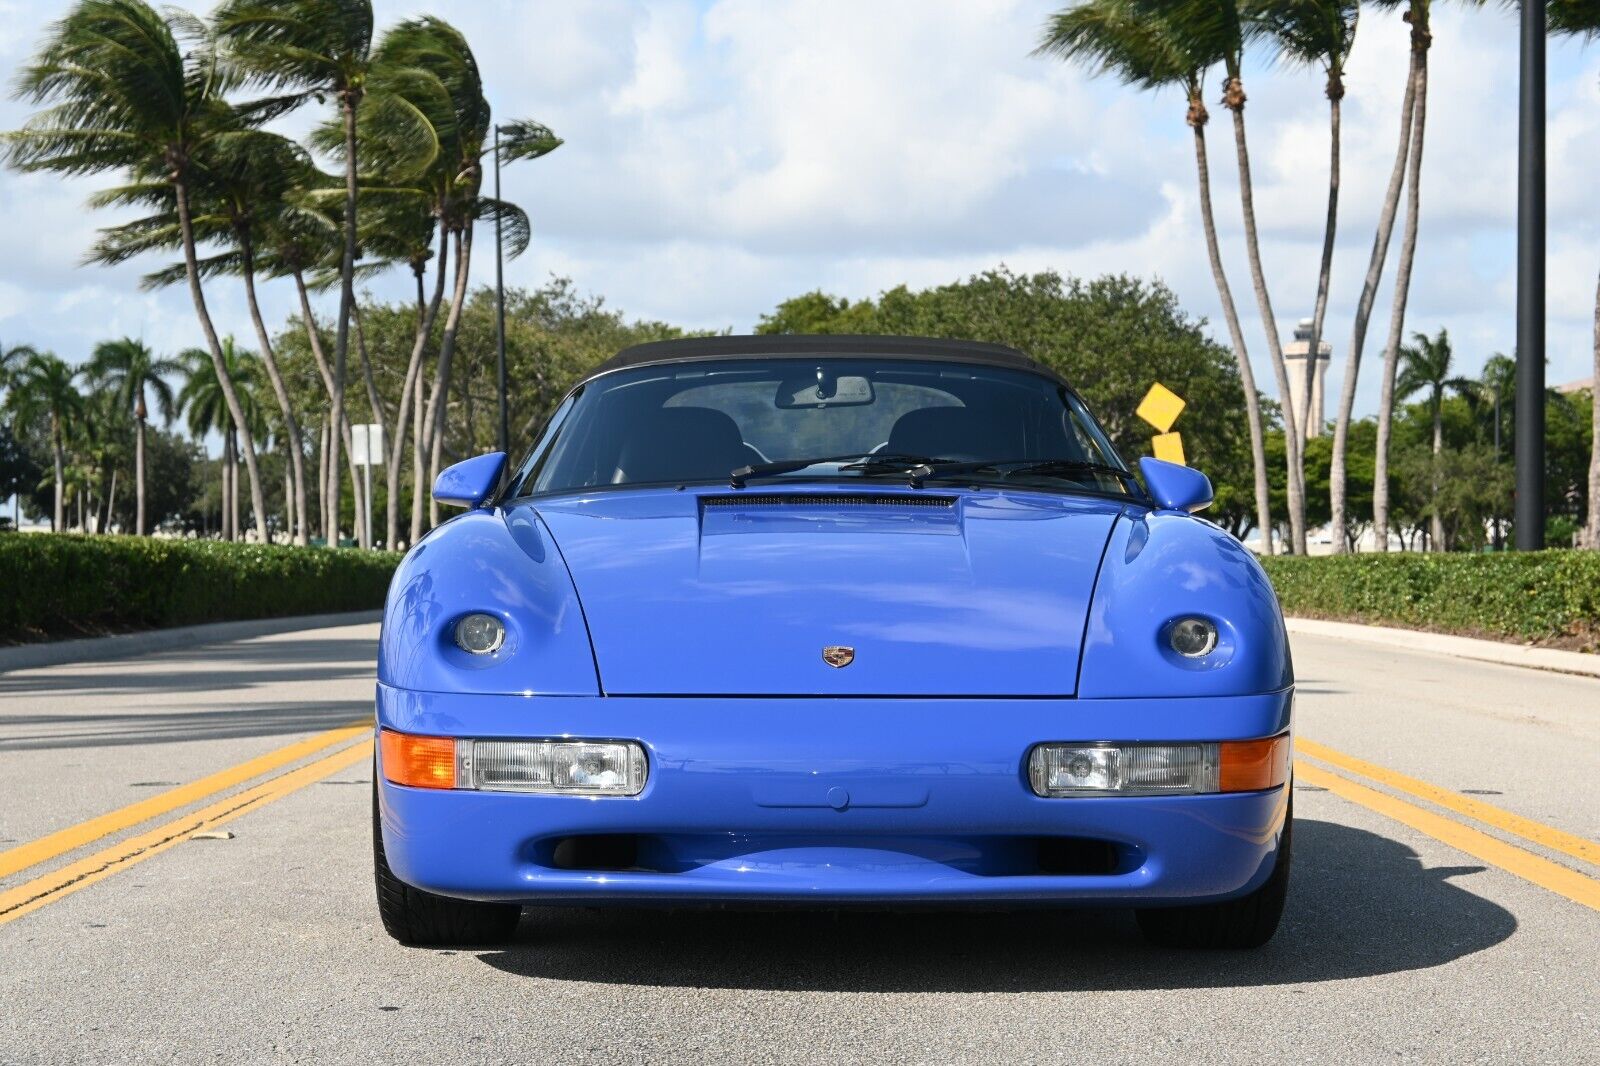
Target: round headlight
x,y
480,634
1193,637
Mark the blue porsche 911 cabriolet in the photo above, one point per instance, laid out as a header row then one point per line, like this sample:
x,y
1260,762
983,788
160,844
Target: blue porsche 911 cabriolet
x,y
830,621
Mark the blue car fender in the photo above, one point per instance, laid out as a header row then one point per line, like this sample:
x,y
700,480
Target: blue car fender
x,y
495,562
1164,566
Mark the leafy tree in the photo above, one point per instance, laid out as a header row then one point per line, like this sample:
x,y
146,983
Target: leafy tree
x,y
1111,338
18,471
1569,447
1581,18
1459,491
172,464
1153,49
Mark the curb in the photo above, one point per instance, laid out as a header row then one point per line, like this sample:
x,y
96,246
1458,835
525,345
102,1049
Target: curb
x,y
126,645
1488,651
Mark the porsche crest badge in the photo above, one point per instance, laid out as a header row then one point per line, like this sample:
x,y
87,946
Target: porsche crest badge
x,y
838,656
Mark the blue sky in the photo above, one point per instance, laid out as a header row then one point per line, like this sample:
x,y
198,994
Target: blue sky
x,y
724,154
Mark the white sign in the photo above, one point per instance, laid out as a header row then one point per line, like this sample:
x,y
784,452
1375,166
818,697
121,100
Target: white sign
x,y
366,445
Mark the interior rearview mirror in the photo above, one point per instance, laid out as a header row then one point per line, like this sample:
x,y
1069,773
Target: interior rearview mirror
x,y
824,389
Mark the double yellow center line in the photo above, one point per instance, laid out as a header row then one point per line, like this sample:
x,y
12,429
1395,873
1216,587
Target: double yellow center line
x,y
1564,881
1330,769
33,894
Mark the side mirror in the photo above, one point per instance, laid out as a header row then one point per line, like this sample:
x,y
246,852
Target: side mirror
x,y
1176,488
469,482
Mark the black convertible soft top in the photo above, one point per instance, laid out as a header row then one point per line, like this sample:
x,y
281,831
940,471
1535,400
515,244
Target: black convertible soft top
x,y
788,345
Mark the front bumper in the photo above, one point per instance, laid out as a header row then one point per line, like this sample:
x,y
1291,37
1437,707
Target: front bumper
x,y
834,801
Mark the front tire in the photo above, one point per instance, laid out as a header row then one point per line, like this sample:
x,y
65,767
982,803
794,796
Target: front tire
x,y
422,919
1246,922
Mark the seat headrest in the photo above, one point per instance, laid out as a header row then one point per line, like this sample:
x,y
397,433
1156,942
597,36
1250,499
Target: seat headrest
x,y
687,443
956,433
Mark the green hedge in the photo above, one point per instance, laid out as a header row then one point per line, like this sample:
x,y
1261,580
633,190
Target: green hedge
x,y
57,585
1548,597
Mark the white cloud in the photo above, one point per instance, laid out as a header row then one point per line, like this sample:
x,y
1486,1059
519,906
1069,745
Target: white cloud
x,y
725,154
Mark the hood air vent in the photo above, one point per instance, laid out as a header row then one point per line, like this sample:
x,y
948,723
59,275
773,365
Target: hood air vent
x,y
838,499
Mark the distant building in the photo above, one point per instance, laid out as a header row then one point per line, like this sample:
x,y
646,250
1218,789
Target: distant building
x,y
1586,385
1295,354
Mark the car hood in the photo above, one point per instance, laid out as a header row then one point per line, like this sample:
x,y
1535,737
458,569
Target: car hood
x,y
936,594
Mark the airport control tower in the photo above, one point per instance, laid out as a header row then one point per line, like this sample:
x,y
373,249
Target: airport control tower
x,y
1294,356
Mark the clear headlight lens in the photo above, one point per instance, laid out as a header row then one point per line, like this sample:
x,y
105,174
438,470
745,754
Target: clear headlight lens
x,y
1127,770
573,767
1193,637
480,634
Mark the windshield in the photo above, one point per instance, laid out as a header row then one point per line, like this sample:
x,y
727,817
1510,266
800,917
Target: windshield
x,y
809,418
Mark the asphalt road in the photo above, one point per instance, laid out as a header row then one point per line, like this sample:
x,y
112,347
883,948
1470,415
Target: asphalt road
x,y
1420,927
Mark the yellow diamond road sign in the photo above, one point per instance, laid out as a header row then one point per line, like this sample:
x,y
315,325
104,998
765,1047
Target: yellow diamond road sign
x,y
1160,407
1168,447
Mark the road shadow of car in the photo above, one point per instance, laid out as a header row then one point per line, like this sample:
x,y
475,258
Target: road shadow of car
x,y
1360,905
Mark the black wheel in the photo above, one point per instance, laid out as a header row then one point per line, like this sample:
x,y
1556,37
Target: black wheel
x,y
1246,922
423,919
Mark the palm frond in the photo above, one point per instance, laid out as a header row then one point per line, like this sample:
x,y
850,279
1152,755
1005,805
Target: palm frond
x,y
296,44
1305,32
515,229
526,139
1575,18
1117,38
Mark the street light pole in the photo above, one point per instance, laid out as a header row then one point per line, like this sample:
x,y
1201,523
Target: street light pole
x,y
1530,283
500,308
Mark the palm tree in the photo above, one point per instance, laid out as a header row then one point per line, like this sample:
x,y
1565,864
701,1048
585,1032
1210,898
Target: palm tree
x,y
317,49
1581,18
1315,33
98,440
303,243
12,358
1427,365
128,368
254,178
1338,469
1418,16
1152,52
403,230
427,65
1222,25
127,97
203,399
42,389
1421,40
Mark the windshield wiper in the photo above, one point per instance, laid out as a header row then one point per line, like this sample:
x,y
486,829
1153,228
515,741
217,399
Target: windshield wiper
x,y
866,462
1014,467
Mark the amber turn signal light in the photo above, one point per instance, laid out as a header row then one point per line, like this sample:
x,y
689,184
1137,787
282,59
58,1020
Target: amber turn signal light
x,y
1253,765
420,762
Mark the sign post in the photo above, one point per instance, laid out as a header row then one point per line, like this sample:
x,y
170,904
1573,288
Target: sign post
x,y
366,449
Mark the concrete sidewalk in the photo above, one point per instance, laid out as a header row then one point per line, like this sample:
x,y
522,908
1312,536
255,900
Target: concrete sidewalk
x,y
128,645
1490,651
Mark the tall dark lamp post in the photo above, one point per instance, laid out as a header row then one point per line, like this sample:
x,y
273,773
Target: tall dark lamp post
x,y
500,310
1530,283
